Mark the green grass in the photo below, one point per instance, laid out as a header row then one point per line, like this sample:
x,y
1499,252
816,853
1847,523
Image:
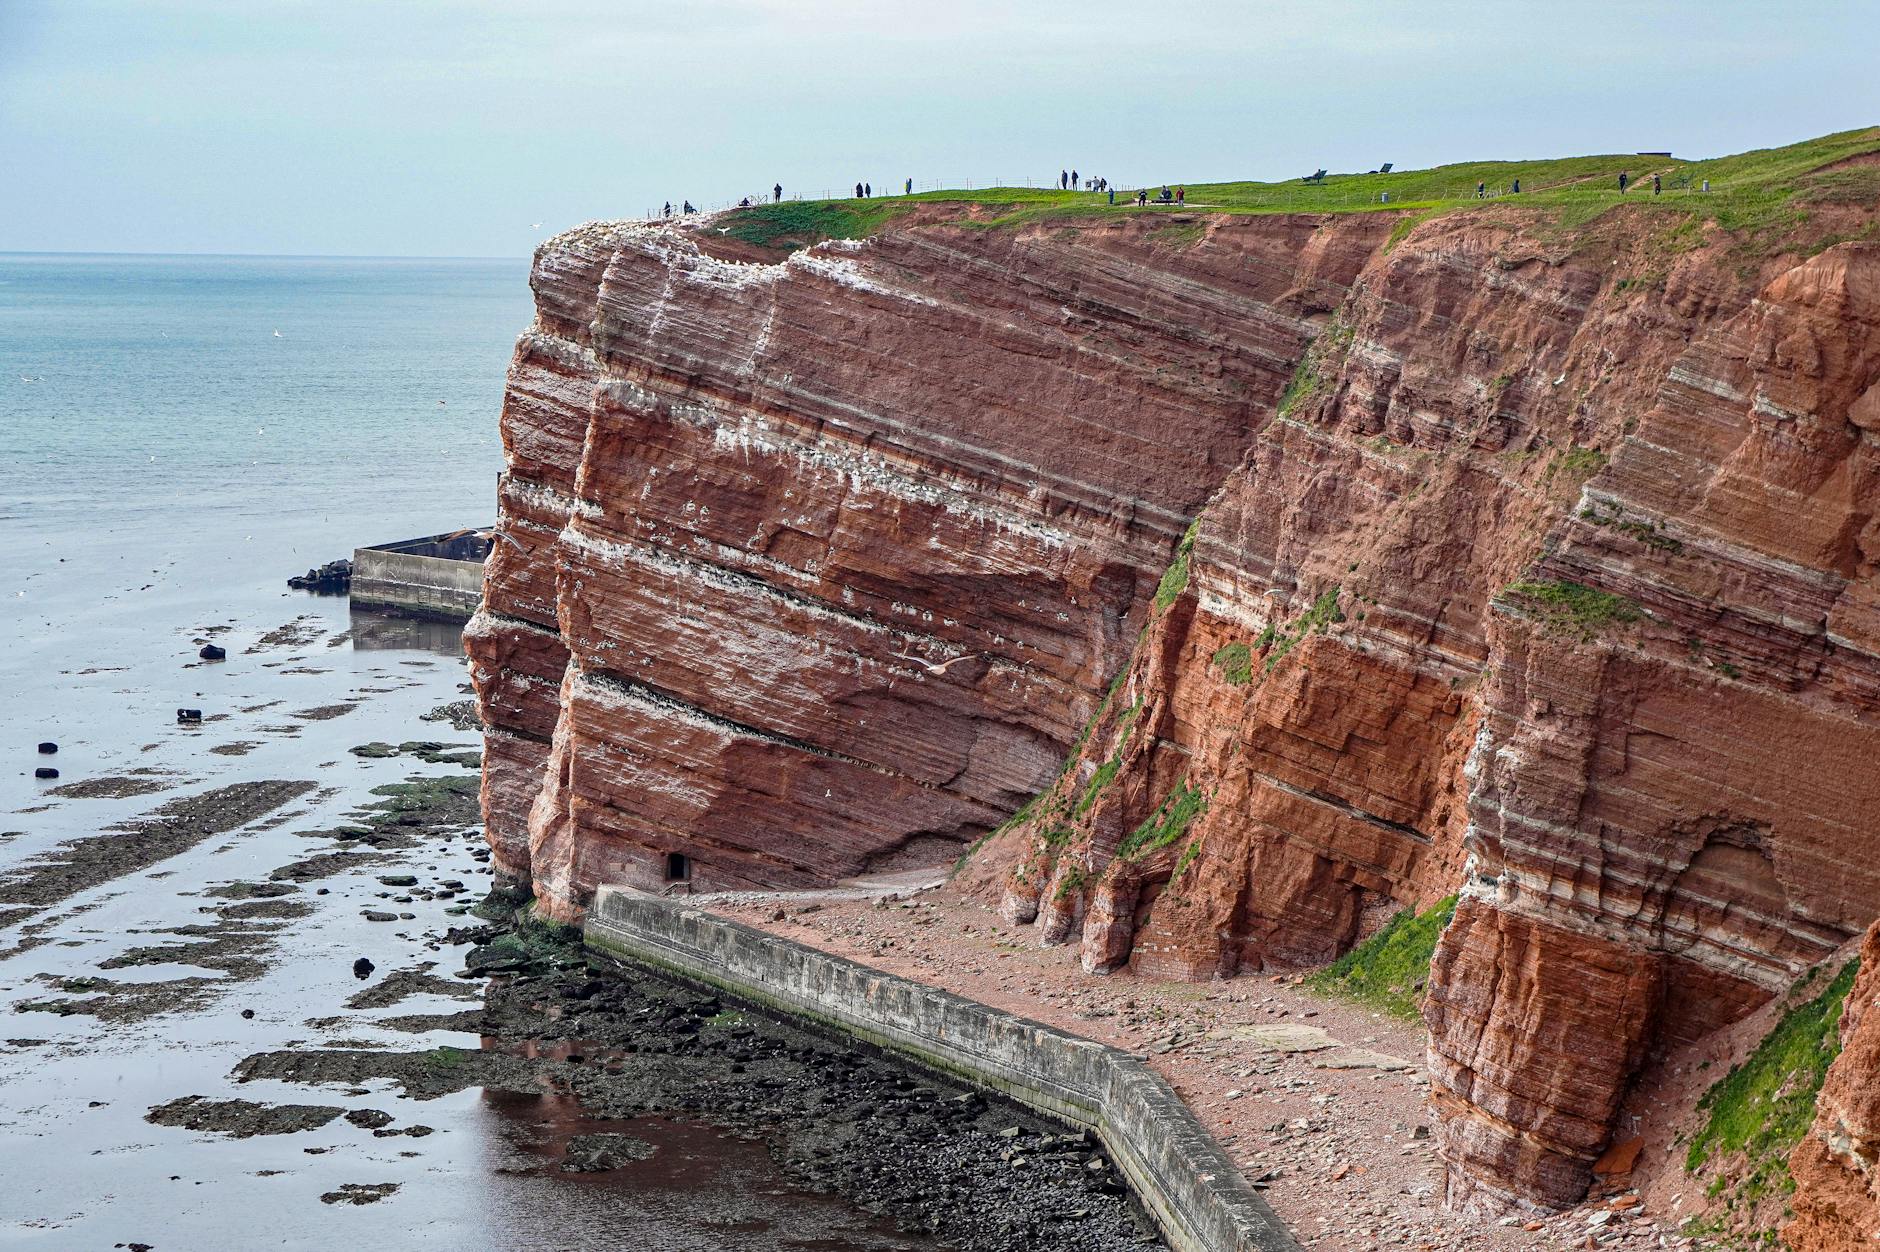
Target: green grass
x,y
1577,462
1277,641
1763,195
1387,970
1175,577
1323,358
799,223
1764,1106
1235,661
1168,823
1573,608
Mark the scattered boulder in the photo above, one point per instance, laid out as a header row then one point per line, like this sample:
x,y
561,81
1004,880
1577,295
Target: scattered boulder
x,y
360,1193
332,578
213,652
594,1154
188,717
362,969
47,747
45,771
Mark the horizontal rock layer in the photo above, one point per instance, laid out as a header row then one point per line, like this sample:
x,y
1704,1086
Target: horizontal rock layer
x,y
817,566
1544,586
1515,574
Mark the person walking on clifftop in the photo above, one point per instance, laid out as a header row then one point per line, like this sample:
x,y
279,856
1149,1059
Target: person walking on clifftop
x,y
777,194
858,191
909,189
1656,188
1624,178
1064,180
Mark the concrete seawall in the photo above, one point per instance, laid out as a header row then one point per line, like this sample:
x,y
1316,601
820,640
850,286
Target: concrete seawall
x,y
1175,1167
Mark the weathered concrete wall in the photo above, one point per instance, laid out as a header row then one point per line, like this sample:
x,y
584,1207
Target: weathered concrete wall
x,y
425,585
1181,1174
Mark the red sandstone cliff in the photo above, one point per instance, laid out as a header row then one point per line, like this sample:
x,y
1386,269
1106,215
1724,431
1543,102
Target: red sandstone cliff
x,y
1530,561
1546,586
756,508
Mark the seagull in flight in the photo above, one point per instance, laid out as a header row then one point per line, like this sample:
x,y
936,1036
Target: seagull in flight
x,y
498,533
929,666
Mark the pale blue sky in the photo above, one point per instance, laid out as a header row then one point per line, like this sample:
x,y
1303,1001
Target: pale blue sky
x,y
451,127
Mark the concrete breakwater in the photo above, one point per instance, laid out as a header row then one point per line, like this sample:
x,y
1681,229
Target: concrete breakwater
x,y
1180,1173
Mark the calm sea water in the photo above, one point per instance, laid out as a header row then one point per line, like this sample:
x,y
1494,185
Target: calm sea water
x,y
180,434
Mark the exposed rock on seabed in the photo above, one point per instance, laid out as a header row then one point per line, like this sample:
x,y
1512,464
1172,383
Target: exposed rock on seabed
x,y
1532,560
979,1173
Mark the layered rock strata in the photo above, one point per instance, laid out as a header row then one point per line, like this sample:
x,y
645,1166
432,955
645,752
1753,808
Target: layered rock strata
x,y
1540,585
1532,563
817,566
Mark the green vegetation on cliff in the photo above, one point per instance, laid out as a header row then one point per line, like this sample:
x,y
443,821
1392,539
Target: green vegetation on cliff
x,y
1761,1109
1168,823
1235,661
1572,608
1175,577
1387,971
1765,194
796,224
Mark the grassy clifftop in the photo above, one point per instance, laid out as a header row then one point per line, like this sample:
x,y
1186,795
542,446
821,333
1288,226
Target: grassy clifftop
x,y
1749,191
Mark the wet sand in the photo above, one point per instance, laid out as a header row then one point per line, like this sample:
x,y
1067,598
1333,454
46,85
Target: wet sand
x,y
244,1002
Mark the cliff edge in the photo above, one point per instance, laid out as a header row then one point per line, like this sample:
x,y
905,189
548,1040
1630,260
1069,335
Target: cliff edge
x,y
1230,582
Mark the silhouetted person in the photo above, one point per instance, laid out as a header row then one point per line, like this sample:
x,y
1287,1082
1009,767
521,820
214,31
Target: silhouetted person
x,y
1624,178
777,194
910,188
1481,191
1655,187
858,191
667,211
1517,186
689,208
1064,180
1073,178
1142,198
1112,195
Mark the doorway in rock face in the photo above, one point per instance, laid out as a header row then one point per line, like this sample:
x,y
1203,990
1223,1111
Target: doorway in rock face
x,y
678,867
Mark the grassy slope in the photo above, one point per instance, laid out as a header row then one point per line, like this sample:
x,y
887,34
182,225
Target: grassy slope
x,y
1387,970
1761,1109
1758,190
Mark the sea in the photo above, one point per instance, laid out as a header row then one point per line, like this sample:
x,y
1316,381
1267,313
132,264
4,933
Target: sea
x,y
180,435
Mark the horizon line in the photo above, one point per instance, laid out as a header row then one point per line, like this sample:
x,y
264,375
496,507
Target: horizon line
x,y
271,256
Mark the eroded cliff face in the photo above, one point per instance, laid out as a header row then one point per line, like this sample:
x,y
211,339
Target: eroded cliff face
x,y
1289,571
818,566
1542,587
